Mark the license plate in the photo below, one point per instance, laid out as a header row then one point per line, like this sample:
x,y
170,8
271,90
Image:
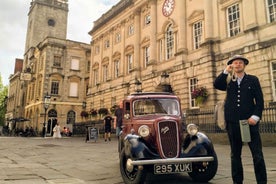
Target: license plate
x,y
172,168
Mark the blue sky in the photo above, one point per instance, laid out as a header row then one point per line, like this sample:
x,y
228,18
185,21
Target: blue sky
x,y
13,27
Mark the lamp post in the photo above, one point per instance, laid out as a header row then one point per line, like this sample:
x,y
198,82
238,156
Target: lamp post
x,y
47,101
83,104
138,86
165,82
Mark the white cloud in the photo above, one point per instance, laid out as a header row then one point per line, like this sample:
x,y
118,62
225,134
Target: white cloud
x,y
13,23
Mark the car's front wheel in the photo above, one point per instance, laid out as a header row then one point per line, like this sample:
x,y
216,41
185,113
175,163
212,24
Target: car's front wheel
x,y
130,174
204,171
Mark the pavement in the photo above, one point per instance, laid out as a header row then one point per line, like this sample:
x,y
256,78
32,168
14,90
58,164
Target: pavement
x,y
36,160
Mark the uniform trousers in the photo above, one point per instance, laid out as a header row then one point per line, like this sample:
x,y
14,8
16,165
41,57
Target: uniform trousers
x,y
234,135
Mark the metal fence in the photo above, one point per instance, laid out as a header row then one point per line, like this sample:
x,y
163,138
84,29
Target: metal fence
x,y
204,118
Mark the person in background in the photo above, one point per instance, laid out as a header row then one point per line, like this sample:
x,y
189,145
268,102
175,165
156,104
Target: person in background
x,y
107,126
56,131
244,100
118,120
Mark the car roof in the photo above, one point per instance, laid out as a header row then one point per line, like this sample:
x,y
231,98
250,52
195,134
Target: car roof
x,y
151,95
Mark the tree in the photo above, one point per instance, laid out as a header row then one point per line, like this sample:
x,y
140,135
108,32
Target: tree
x,y
3,101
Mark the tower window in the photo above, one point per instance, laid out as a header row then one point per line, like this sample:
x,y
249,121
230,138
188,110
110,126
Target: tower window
x,y
51,22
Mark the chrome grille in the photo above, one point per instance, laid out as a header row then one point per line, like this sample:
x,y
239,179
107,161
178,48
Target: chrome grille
x,y
168,138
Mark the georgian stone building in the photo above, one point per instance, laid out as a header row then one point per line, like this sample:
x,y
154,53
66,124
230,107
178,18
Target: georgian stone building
x,y
189,41
52,66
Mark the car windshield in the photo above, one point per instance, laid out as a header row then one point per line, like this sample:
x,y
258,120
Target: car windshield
x,y
156,106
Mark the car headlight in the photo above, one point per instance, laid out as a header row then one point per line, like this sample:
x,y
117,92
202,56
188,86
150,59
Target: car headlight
x,y
192,129
144,131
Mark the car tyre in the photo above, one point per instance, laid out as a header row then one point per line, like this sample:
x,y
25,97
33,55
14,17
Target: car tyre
x,y
204,174
136,176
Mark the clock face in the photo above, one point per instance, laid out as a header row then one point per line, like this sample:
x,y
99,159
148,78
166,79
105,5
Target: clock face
x,y
168,7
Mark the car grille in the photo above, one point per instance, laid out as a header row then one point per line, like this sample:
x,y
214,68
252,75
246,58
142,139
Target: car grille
x,y
168,139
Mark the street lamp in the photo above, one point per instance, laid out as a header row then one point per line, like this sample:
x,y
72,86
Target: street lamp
x,y
165,82
83,104
46,103
138,86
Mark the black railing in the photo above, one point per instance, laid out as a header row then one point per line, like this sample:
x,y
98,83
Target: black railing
x,y
204,118
80,128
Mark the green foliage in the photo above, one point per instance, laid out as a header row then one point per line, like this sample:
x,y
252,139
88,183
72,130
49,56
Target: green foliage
x,y
3,101
103,111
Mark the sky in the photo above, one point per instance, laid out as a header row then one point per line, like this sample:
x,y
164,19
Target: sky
x,y
13,27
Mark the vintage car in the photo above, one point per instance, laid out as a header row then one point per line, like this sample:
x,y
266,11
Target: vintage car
x,y
155,138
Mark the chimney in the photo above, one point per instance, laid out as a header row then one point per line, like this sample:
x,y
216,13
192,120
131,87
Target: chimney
x,y
18,65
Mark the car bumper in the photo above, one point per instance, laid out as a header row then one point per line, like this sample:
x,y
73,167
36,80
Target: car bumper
x,y
172,160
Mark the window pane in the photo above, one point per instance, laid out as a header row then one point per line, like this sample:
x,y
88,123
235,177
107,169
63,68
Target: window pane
x,y
233,20
75,64
73,89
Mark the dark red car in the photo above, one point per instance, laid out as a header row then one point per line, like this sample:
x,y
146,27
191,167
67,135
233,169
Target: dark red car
x,y
155,139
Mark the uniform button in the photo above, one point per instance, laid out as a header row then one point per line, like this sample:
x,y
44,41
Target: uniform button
x,y
238,105
239,91
239,96
238,100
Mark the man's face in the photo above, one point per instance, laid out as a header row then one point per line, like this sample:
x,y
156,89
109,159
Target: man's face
x,y
238,65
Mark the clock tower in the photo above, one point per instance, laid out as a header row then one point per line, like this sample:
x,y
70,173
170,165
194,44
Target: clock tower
x,y
46,18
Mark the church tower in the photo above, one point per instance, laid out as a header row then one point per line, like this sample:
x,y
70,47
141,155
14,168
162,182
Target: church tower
x,y
47,18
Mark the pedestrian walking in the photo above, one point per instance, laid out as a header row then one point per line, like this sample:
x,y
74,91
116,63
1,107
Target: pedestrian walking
x,y
244,101
57,131
107,126
118,120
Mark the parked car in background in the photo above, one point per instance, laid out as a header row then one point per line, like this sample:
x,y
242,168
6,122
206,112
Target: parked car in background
x,y
155,138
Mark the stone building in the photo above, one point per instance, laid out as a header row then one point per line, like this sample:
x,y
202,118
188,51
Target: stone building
x,y
183,43
52,67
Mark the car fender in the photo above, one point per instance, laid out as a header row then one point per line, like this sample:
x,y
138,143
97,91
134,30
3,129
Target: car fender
x,y
136,149
197,145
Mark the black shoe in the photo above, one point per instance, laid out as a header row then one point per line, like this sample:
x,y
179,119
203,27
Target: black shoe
x,y
109,139
105,140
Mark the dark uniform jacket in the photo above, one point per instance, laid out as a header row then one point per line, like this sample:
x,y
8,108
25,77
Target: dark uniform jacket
x,y
242,101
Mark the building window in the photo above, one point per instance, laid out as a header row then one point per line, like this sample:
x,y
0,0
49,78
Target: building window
x,y
271,10
197,34
96,76
113,101
193,86
160,50
233,18
116,68
54,87
73,91
105,73
129,62
97,49
273,67
169,42
130,29
146,55
117,37
106,44
88,66
71,117
147,19
41,64
57,61
75,64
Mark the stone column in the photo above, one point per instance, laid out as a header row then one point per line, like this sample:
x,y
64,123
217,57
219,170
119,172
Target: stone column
x,y
209,26
136,61
180,8
153,31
